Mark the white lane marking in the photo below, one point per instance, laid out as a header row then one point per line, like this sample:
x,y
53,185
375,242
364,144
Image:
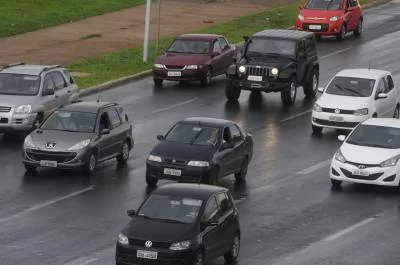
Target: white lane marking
x,y
42,205
296,116
315,167
334,53
348,230
82,261
175,105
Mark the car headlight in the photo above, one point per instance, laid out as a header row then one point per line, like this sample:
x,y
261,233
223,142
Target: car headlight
x,y
180,245
154,158
334,18
317,108
339,156
242,69
391,162
274,71
23,109
159,66
122,239
198,164
300,17
28,143
80,145
361,112
192,67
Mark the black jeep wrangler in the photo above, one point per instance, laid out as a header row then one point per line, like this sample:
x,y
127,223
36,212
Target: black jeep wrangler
x,y
276,61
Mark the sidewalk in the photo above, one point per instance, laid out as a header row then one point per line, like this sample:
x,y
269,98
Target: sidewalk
x,y
106,33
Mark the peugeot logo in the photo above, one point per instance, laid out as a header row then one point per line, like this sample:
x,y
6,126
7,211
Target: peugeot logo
x,y
361,166
337,111
148,244
50,145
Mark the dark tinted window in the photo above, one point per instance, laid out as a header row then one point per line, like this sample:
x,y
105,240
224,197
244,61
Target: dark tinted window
x,y
71,121
16,84
211,209
375,136
193,134
325,4
351,86
224,203
114,117
270,46
58,79
223,43
48,83
235,132
69,77
217,47
389,82
190,46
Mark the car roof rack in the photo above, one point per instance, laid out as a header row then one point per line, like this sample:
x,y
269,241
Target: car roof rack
x,y
50,67
11,65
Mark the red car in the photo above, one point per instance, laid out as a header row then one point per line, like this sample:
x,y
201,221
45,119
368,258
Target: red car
x,y
331,17
194,57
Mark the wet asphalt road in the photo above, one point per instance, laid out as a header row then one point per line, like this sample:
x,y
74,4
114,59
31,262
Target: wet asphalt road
x,y
289,214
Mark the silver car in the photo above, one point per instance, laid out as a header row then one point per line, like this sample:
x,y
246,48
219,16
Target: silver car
x,y
29,93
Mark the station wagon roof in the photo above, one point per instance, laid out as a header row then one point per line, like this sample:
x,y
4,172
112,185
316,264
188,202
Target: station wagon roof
x,y
283,33
206,37
386,122
86,106
207,121
363,73
25,69
190,190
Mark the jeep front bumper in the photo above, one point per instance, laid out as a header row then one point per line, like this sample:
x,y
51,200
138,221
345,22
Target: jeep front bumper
x,y
265,86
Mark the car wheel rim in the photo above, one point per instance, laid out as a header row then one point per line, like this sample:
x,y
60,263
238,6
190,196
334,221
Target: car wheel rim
x,y
343,32
292,90
92,163
315,82
236,247
125,152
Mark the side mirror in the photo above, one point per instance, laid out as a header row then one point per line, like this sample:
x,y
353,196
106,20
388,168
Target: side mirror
x,y
214,54
341,137
48,92
105,131
321,89
131,213
160,137
381,96
227,145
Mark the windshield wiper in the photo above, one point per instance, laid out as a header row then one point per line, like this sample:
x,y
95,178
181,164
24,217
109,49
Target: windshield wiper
x,y
355,92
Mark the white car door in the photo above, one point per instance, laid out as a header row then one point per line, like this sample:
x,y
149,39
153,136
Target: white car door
x,y
383,107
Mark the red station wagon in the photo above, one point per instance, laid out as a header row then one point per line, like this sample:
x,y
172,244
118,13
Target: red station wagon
x,y
194,57
331,17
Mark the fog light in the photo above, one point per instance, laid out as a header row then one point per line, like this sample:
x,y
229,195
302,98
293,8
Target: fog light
x,y
391,178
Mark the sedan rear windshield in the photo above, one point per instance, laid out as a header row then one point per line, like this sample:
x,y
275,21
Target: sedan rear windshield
x,y
171,208
325,4
19,84
193,134
351,86
376,136
189,46
71,121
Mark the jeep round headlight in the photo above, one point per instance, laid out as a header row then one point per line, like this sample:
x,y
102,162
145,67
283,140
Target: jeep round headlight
x,y
242,69
274,71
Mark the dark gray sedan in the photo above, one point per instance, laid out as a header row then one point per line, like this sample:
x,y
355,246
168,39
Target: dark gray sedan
x,y
79,135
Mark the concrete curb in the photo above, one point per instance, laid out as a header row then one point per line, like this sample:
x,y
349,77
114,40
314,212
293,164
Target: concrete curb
x,y
123,80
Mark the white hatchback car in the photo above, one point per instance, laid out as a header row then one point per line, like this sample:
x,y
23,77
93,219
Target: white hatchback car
x,y
354,95
369,155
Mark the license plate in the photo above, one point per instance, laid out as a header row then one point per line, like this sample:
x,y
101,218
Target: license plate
x,y
146,254
254,78
315,26
172,172
335,118
174,73
46,163
362,173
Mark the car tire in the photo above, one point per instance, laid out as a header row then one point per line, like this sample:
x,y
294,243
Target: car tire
x,y
337,184
151,181
30,169
311,87
288,95
359,29
91,164
232,255
342,33
317,130
232,93
241,175
198,258
123,157
206,81
158,83
396,114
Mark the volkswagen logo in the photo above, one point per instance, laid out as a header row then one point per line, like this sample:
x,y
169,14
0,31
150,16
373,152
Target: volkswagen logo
x,y
50,145
337,111
148,244
361,166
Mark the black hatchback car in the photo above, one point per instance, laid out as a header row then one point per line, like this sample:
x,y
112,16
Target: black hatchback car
x,y
181,224
79,136
200,150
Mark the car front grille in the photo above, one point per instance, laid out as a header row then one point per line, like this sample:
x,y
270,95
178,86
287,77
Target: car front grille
x,y
174,161
370,177
343,124
5,109
60,157
141,243
341,111
175,67
257,70
324,27
362,166
3,120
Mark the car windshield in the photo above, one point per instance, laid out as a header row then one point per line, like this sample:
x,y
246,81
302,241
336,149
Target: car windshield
x,y
193,134
351,86
375,136
270,46
171,208
189,46
71,121
18,84
324,4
